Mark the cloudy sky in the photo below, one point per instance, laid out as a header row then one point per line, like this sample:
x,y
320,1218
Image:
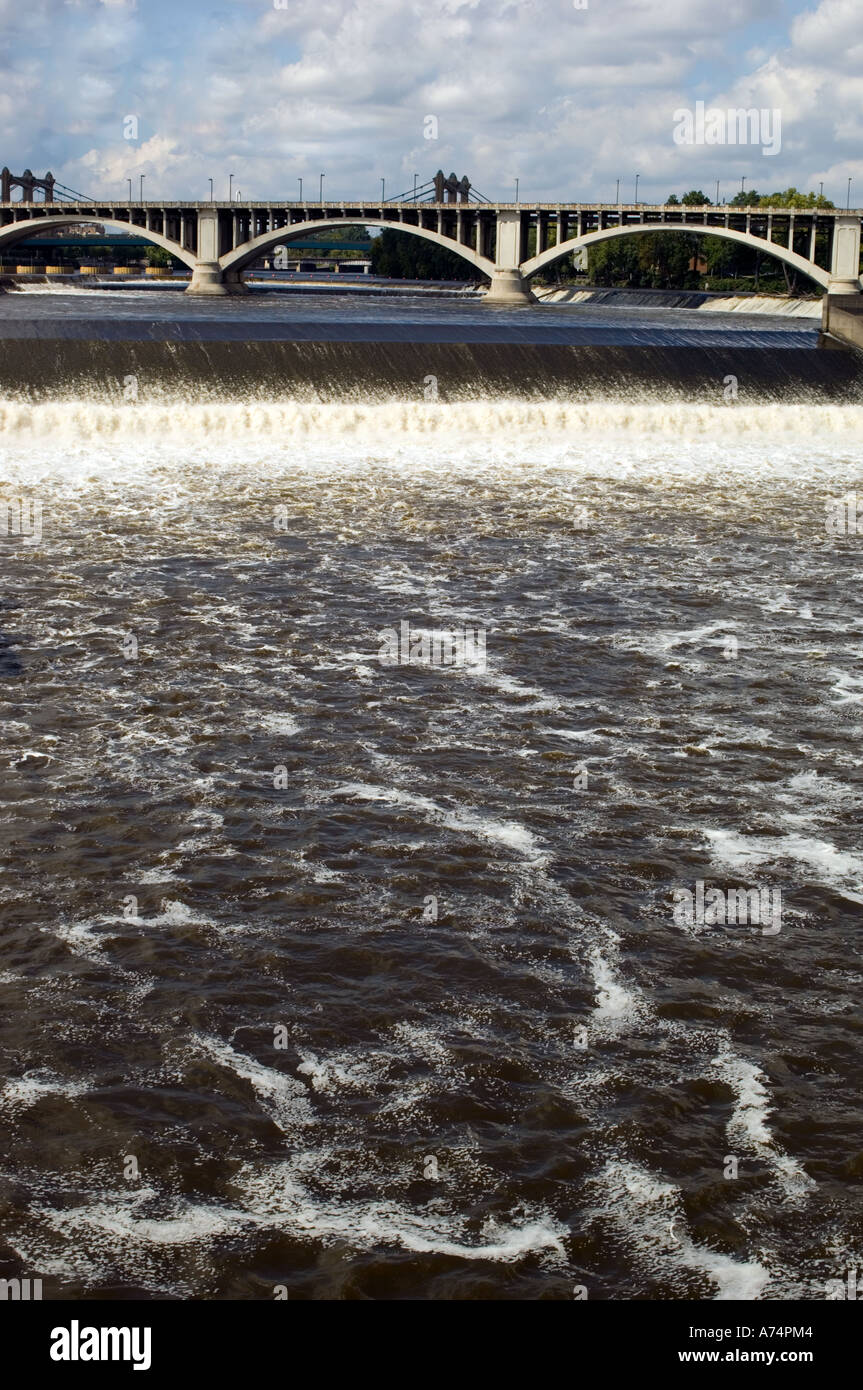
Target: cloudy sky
x,y
565,99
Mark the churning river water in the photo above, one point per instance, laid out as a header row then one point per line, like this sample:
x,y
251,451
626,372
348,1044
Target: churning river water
x,y
366,980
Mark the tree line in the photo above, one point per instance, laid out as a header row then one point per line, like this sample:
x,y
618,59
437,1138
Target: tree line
x,y
680,260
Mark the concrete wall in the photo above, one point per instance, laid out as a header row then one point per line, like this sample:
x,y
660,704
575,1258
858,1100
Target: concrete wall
x,y
842,317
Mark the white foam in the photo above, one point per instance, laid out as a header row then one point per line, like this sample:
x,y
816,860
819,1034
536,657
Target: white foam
x,y
283,1098
847,687
275,723
576,735
716,303
650,1213
175,914
274,1196
615,1003
749,1124
813,798
191,1222
510,685
826,864
337,1073
81,938
79,441
116,1230
662,643
27,1090
510,834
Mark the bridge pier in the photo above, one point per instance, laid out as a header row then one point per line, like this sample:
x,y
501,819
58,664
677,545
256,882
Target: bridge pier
x,y
845,258
509,287
851,285
234,282
207,278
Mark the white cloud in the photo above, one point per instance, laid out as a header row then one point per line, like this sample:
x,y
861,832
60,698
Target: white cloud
x,y
567,100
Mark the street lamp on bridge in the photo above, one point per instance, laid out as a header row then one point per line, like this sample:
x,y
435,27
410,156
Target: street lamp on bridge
x,y
230,188
637,177
129,182
143,176
321,190
383,190
301,190
211,190
516,190
848,199
416,176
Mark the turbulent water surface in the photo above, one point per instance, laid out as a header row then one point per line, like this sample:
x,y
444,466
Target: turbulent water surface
x,y
365,980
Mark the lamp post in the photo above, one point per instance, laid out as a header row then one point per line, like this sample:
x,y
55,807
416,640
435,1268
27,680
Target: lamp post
x,y
301,190
743,184
848,199
516,191
717,193
416,176
129,182
211,189
637,177
383,190
230,188
617,194
143,176
821,189
321,190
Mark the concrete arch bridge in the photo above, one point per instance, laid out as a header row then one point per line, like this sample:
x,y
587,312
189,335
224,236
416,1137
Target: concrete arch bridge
x,y
219,242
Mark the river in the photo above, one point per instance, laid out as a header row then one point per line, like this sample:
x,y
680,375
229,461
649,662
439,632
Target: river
x,y
357,979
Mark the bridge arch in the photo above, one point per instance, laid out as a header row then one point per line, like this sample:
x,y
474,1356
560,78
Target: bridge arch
x,y
771,248
243,256
24,231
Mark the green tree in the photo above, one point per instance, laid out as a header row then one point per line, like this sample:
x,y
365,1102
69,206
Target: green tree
x,y
666,259
723,258
614,263
404,256
651,260
793,198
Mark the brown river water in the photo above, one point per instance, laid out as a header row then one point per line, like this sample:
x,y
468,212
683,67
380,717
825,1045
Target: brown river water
x,y
364,979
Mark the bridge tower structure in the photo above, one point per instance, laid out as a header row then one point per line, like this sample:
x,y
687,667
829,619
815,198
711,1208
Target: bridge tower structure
x,y
28,183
